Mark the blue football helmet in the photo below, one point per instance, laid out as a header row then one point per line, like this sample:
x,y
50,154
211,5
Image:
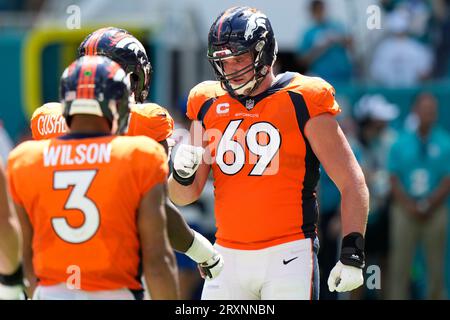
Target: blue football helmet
x,y
237,31
122,47
96,85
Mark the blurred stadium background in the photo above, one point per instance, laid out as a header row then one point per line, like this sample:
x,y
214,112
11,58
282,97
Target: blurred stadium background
x,y
377,70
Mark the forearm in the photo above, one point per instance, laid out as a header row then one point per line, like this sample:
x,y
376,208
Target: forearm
x,y
180,234
161,276
183,195
27,250
354,207
9,248
9,232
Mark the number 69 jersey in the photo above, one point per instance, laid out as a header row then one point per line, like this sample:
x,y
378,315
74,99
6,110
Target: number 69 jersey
x,y
81,195
265,172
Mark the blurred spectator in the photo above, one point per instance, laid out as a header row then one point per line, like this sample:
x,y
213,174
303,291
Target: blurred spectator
x,y
373,114
419,11
324,47
6,144
389,5
441,38
420,179
400,60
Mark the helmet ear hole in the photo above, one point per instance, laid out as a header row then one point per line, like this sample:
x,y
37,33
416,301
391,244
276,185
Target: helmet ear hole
x,y
264,70
260,45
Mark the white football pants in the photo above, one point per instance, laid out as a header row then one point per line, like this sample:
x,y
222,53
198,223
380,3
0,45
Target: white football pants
x,y
288,271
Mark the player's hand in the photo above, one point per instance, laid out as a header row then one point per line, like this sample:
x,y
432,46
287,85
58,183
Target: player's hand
x,y
211,268
187,160
345,278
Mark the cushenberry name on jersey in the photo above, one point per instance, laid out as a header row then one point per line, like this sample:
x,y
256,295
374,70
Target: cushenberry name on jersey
x,y
66,154
50,124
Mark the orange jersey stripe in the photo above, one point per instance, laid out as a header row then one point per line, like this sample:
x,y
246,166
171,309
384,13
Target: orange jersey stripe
x,y
80,87
91,46
91,83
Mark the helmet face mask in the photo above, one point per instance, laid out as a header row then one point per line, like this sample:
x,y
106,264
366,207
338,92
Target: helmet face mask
x,y
253,68
235,32
120,46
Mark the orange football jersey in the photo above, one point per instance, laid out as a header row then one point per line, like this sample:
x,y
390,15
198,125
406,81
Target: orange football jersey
x,y
82,196
47,121
265,172
151,120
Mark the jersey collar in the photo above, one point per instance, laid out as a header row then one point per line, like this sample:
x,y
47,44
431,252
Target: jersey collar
x,y
282,81
71,136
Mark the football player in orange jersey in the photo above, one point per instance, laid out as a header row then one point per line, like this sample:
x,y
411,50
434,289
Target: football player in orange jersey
x,y
91,203
11,273
151,120
265,138
148,119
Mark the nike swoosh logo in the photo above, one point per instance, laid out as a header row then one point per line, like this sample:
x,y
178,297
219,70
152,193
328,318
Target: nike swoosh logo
x,y
285,262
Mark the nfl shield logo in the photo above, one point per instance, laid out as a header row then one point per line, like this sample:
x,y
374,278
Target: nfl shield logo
x,y
249,104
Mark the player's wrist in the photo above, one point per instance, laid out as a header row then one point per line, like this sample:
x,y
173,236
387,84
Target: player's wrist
x,y
201,250
352,250
183,181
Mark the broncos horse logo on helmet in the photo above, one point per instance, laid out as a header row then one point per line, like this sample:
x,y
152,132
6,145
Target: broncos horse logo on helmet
x,y
256,21
120,46
237,31
96,85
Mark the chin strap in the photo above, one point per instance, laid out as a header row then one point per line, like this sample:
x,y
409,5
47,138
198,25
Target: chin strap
x,y
239,93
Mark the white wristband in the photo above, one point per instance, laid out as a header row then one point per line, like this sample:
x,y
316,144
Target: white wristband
x,y
201,249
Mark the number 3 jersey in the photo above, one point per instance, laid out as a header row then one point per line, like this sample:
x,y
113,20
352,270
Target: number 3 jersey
x,y
265,172
82,196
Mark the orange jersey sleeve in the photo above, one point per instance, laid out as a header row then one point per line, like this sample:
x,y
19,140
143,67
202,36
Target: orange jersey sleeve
x,y
47,121
318,95
151,120
202,94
